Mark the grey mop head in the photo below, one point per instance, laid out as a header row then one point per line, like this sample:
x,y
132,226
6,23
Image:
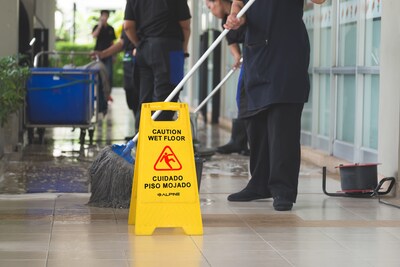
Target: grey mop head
x,y
111,179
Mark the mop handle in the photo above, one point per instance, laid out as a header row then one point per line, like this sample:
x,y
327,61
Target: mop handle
x,y
228,75
197,65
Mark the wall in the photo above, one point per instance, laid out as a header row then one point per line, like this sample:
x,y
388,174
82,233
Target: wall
x,y
45,10
389,118
29,6
8,27
9,17
9,45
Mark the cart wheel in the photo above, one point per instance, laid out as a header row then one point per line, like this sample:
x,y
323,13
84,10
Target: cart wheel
x,y
40,132
82,137
91,133
30,136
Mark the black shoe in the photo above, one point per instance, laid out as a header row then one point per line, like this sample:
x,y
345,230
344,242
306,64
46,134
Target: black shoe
x,y
282,204
246,195
203,152
238,141
245,152
230,148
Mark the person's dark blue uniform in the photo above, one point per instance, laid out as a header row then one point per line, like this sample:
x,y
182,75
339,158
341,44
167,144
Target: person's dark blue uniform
x,y
276,60
160,30
276,54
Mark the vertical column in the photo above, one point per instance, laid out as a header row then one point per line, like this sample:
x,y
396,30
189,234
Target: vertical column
x,y
8,46
389,119
194,48
44,18
9,27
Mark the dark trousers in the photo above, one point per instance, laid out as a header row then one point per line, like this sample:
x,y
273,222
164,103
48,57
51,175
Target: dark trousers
x,y
274,137
160,62
131,87
108,63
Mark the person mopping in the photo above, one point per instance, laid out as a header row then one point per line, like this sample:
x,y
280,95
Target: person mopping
x,y
238,142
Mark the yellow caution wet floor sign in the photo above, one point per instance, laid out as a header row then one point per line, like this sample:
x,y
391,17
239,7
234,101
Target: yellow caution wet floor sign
x,y
165,192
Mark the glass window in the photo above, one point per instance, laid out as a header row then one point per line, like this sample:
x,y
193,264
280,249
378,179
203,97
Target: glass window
x,y
325,56
324,105
371,82
345,110
347,32
306,118
346,84
371,111
326,47
326,36
308,18
372,33
372,42
346,100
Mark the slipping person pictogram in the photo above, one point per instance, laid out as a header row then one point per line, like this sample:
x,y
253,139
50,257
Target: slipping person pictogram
x,y
167,161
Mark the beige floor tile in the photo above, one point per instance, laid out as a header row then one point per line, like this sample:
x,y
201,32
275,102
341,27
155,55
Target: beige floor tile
x,y
323,258
173,263
295,237
235,246
87,263
241,255
23,263
23,255
307,245
68,245
90,254
84,237
85,226
26,226
248,262
384,262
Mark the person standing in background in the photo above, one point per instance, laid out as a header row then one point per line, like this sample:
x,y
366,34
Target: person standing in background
x,y
105,36
160,30
131,76
238,142
276,60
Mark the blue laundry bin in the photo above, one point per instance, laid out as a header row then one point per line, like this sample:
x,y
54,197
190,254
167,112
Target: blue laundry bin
x,y
57,96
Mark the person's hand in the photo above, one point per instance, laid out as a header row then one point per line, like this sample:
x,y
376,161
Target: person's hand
x,y
237,62
102,20
95,55
134,52
232,22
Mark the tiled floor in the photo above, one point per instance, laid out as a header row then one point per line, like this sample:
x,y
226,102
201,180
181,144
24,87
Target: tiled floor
x,y
59,229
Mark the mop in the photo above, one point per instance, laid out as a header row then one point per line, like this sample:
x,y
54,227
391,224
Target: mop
x,y
111,172
109,194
